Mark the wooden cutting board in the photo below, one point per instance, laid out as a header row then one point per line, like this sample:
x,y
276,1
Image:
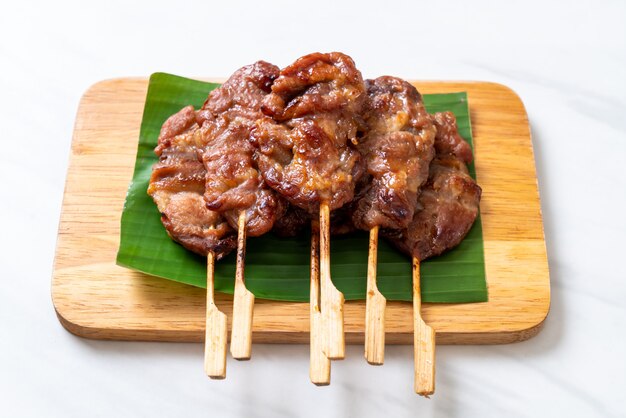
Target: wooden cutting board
x,y
95,298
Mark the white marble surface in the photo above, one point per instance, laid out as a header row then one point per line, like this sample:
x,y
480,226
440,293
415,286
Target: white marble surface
x,y
566,60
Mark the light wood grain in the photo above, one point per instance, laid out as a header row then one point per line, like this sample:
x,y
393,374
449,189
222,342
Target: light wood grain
x,y
331,299
243,301
319,367
216,335
95,298
423,342
375,304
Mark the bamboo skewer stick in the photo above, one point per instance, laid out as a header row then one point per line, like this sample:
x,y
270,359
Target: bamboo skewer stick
x,y
332,299
216,329
423,341
319,368
243,301
375,304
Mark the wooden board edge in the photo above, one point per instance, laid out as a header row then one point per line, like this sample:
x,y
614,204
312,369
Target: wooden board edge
x,y
535,329
284,337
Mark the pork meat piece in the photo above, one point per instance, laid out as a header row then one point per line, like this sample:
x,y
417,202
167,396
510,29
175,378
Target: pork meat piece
x,y
449,200
233,182
292,223
306,141
397,148
177,187
449,141
449,206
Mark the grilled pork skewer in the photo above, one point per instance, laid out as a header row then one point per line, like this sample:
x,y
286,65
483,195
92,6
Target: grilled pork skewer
x,y
449,204
306,153
234,187
397,148
177,187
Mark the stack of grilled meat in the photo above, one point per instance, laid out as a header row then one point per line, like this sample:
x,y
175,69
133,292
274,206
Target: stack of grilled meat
x,y
314,144
277,144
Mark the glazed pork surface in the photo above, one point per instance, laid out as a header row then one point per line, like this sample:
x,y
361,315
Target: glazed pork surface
x,y
397,148
449,141
448,204
276,144
177,187
306,140
233,182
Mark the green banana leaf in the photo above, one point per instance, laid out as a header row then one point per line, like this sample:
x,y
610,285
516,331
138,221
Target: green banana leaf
x,y
278,268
